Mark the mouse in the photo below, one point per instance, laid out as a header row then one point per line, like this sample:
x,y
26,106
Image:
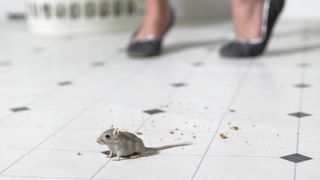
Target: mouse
x,y
123,144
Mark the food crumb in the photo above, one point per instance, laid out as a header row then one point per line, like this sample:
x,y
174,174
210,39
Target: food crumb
x,y
194,125
236,128
177,129
232,110
229,123
139,133
171,132
79,153
223,136
181,134
194,137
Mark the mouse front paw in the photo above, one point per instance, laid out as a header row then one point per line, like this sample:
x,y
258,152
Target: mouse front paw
x,y
116,159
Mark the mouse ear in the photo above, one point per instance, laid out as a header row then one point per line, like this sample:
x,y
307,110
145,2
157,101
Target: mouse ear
x,y
116,132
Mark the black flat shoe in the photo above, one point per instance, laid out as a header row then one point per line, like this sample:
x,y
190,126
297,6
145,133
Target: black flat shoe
x,y
150,46
272,10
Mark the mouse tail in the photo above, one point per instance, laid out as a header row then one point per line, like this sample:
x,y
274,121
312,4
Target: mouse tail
x,y
154,149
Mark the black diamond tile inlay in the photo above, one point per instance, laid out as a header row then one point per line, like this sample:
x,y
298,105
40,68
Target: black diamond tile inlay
x,y
153,111
38,49
17,109
179,84
64,83
98,64
303,64
302,85
296,158
299,114
196,64
4,63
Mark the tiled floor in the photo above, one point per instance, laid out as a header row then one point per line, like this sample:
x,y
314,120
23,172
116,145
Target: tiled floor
x,y
58,94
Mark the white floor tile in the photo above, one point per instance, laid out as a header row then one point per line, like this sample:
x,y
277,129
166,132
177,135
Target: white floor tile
x,y
249,168
23,137
308,170
9,156
254,144
65,164
152,167
309,146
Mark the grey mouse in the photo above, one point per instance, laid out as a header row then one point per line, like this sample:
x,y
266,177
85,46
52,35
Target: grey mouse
x,y
126,144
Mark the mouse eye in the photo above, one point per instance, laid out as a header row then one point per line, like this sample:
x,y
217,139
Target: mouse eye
x,y
107,136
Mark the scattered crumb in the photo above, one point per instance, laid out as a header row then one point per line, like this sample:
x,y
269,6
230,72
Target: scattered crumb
x,y
194,137
171,132
232,110
253,125
206,107
229,123
179,139
139,133
277,135
235,128
79,153
177,129
223,136
181,134
194,125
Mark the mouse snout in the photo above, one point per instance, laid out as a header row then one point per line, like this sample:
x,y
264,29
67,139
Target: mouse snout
x,y
99,141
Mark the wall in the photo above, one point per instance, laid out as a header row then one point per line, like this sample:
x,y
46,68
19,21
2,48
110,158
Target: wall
x,y
206,10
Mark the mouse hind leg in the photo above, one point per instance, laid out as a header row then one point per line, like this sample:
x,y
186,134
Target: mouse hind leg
x,y
135,156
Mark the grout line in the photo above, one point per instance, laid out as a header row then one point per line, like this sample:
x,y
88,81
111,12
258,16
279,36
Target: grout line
x,y
74,118
103,166
160,154
302,79
300,108
245,75
295,171
41,177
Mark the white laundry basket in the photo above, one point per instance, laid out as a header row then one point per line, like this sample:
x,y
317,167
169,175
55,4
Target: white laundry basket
x,y
83,16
